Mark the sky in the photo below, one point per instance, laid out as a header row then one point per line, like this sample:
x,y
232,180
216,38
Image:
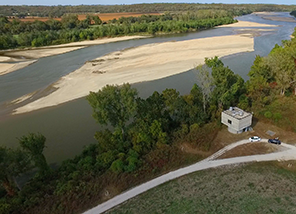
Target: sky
x,y
110,2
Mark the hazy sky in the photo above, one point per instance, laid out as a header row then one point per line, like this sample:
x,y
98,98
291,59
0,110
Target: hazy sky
x,y
88,2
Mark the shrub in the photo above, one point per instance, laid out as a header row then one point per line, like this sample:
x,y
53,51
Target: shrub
x,y
117,166
277,117
268,114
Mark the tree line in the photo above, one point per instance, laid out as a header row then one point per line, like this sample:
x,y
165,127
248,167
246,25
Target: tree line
x,y
52,32
272,84
142,137
58,11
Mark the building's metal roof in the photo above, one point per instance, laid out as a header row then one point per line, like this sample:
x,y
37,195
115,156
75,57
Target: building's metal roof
x,y
237,113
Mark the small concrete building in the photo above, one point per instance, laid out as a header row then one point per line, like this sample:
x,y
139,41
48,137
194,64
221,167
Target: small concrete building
x,y
236,119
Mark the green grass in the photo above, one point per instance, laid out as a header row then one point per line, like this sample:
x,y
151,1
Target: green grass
x,y
253,188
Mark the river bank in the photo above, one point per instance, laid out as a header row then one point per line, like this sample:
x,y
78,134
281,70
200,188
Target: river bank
x,y
70,126
145,63
25,57
274,17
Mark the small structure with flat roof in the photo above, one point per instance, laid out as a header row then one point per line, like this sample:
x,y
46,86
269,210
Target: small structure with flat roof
x,y
237,120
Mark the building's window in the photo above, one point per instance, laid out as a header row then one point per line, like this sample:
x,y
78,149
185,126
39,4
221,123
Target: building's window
x,y
229,121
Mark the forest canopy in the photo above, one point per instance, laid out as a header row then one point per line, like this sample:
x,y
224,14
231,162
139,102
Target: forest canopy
x,y
58,11
15,33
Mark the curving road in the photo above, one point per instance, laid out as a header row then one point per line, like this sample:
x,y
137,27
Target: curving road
x,y
210,162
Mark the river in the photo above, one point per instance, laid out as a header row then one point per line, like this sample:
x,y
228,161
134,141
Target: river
x,y
70,126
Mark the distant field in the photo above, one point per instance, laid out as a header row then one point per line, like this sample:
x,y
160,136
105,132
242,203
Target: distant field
x,y
245,189
103,16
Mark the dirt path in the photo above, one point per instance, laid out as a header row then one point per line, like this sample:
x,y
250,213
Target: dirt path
x,y
210,162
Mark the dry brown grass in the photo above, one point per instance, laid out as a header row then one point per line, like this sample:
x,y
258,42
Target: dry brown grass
x,y
250,149
260,129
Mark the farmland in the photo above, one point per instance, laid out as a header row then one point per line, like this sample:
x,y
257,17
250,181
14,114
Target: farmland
x,y
103,16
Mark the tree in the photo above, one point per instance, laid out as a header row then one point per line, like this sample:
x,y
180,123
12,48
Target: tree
x,y
228,87
97,20
12,163
69,21
174,104
115,105
261,68
34,144
282,61
205,81
149,111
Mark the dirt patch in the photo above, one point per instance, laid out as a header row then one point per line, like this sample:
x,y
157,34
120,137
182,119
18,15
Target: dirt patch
x,y
103,16
224,138
109,192
110,16
187,148
258,148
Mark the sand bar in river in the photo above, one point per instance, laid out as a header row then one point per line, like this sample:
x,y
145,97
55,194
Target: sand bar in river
x,y
144,63
36,53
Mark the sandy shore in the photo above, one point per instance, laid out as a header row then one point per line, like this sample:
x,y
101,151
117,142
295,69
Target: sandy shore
x,y
43,52
6,68
36,53
99,41
64,48
274,17
4,59
247,24
144,63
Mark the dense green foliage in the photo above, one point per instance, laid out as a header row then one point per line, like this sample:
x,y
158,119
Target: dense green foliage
x,y
34,34
13,163
34,145
58,11
146,134
271,89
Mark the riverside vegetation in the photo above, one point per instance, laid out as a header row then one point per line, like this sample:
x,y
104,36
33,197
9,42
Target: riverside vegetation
x,y
176,18
16,33
146,134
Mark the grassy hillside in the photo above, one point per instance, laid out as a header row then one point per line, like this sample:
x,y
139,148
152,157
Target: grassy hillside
x,y
253,188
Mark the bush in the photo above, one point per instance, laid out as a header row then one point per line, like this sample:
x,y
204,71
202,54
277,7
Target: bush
x,y
117,166
277,117
268,114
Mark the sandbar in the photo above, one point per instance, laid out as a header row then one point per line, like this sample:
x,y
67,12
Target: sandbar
x,y
43,52
247,24
4,59
144,63
6,68
64,48
36,53
274,17
100,41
